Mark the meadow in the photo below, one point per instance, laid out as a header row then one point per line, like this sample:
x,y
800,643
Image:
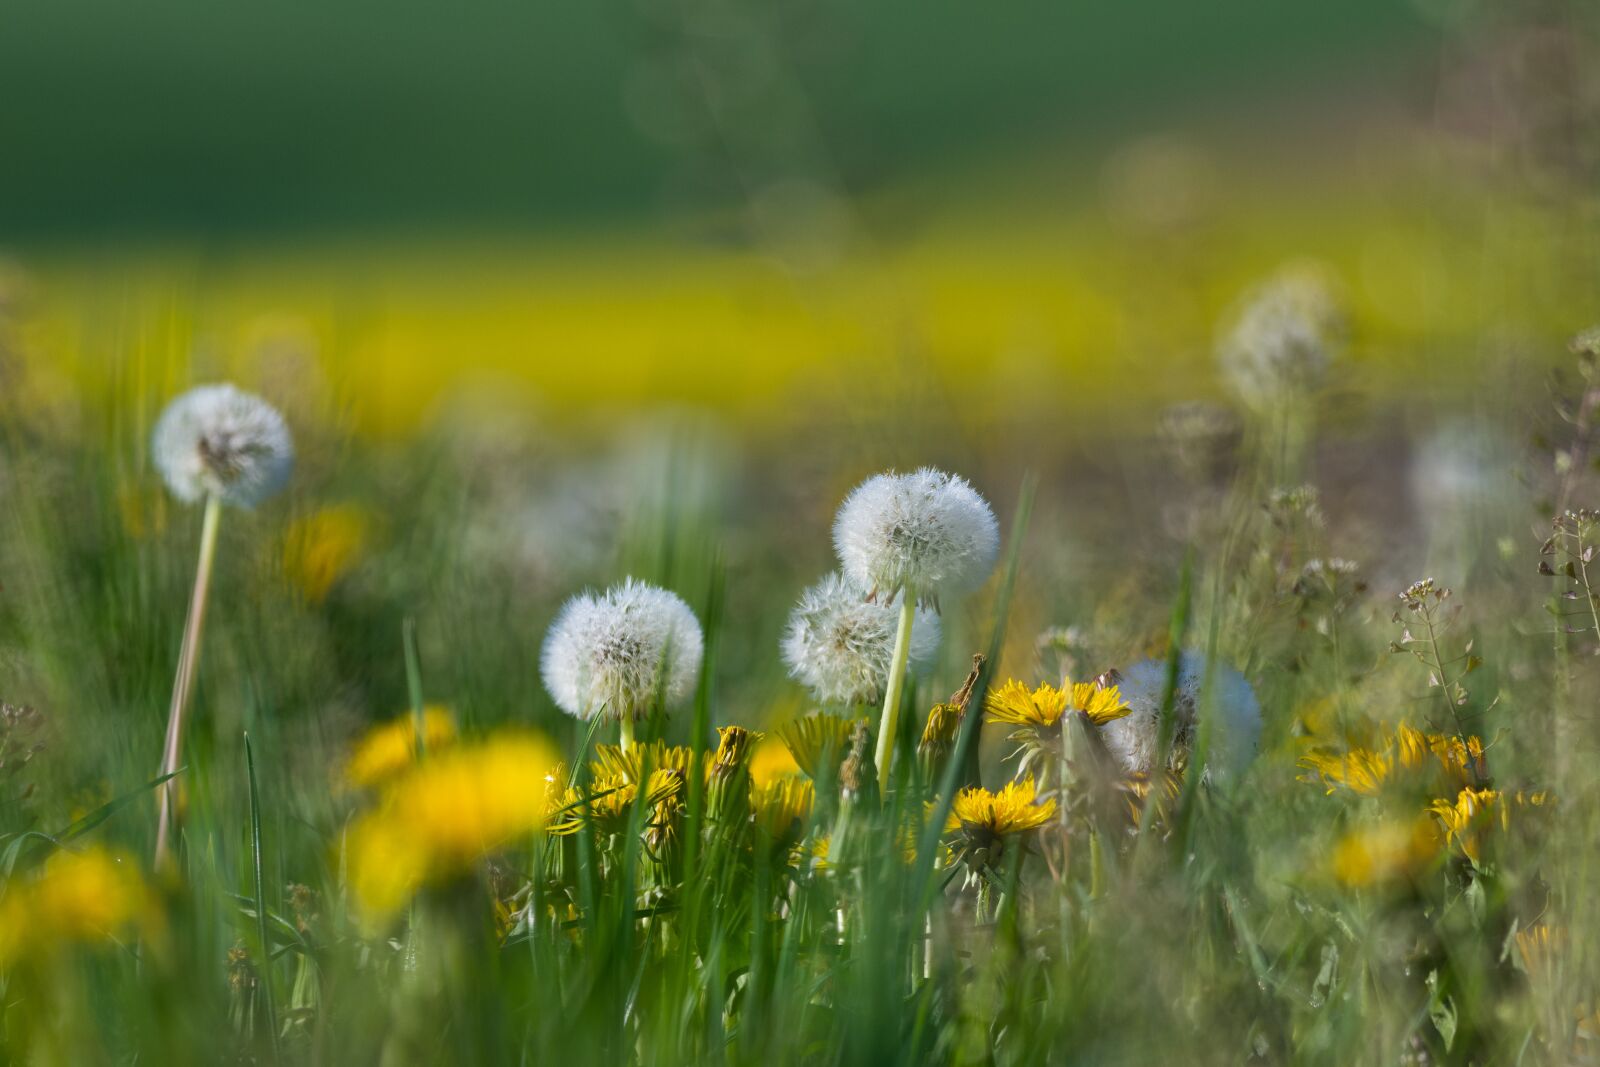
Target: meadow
x,y
673,533
1231,778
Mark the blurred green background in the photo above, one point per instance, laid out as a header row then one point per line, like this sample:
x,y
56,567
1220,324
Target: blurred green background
x,y
187,118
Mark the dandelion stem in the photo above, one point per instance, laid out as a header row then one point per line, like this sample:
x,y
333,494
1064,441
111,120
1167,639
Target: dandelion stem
x,y
626,723
183,685
890,724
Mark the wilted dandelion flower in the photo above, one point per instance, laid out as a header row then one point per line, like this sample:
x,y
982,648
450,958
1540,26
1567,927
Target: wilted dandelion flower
x,y
389,748
840,645
1236,715
620,651
1283,338
217,440
927,534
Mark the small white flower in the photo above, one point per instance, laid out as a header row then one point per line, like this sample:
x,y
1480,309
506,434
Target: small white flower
x,y
218,440
619,651
927,533
839,644
1236,715
1283,338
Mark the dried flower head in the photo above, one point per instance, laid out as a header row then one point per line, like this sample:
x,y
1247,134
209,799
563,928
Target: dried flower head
x,y
839,643
1236,715
216,440
618,652
1202,437
927,534
1283,338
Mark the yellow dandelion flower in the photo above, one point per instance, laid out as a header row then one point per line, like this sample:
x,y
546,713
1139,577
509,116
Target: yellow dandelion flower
x,y
612,762
1014,703
983,822
1013,810
607,802
1369,769
448,812
321,548
772,761
1474,810
782,807
818,743
1384,854
87,897
1361,770
1098,703
391,747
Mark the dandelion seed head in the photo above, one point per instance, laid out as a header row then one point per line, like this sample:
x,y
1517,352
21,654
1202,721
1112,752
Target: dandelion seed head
x,y
618,651
216,440
1236,724
1282,340
927,533
838,643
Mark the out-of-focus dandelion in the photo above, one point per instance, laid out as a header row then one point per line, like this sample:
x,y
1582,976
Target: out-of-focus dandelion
x,y
219,441
79,898
841,645
1280,342
1234,710
917,536
445,815
620,652
222,445
818,743
781,809
1474,810
1384,853
390,748
1203,438
1368,769
321,548
772,762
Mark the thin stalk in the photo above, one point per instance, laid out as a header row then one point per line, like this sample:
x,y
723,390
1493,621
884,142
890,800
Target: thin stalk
x,y
408,639
889,727
183,685
264,946
626,724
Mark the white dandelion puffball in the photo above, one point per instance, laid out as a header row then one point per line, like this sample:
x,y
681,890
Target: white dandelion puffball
x,y
839,643
1283,338
615,653
1236,715
928,533
216,440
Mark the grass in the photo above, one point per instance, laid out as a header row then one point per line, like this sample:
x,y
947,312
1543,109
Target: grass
x,y
1277,915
